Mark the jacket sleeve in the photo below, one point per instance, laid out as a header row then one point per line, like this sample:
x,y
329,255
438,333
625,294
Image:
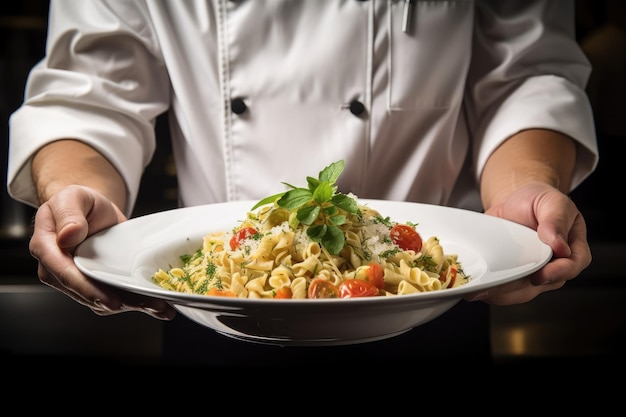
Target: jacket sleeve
x,y
528,71
102,81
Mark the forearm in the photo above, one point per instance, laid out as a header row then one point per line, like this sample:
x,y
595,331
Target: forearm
x,y
70,162
531,156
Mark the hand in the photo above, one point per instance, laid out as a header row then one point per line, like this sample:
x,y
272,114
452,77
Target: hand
x,y
559,224
61,224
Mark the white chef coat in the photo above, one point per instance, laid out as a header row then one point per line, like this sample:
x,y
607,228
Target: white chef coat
x,y
265,91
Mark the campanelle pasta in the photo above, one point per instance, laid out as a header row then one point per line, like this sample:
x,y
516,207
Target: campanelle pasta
x,y
270,256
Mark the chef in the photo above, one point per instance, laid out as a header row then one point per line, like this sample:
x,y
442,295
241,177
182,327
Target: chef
x,y
473,104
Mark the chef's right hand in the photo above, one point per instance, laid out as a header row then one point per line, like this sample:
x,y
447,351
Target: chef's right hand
x,y
61,224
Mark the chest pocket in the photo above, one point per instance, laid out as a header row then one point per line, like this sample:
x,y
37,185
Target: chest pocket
x,y
428,64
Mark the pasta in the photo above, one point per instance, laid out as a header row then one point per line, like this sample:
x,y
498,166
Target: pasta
x,y
271,253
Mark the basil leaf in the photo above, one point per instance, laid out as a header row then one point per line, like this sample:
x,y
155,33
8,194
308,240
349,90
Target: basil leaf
x,y
333,240
294,199
316,232
307,215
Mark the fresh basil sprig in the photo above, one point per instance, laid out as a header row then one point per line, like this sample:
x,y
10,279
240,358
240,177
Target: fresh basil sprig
x,y
320,207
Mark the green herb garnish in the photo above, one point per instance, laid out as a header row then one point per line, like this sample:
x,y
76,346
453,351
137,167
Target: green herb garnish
x,y
320,207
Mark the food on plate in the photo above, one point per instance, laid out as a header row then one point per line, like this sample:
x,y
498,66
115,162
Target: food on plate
x,y
315,242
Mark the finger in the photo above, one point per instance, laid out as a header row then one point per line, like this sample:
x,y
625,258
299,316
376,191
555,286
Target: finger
x,y
557,216
154,307
46,278
56,265
515,292
563,269
79,212
102,304
569,258
70,281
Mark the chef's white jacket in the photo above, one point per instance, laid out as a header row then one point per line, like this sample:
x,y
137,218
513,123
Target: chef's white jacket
x,y
261,92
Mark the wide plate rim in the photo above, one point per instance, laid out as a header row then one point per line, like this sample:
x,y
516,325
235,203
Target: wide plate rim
x,y
122,277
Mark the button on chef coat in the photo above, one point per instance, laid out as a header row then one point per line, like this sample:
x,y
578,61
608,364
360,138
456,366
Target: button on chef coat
x,y
265,92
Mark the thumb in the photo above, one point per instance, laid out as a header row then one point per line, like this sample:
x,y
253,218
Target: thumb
x,y
80,212
554,223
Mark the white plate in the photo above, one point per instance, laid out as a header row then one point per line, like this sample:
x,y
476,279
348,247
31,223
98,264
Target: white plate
x,y
491,250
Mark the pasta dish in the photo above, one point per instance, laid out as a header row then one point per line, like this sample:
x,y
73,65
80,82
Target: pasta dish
x,y
315,243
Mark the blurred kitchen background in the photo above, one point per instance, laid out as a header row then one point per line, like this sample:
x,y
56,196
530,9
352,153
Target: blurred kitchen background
x,y
584,322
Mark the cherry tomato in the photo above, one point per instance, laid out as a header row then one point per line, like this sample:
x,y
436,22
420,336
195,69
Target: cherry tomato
x,y
221,293
355,287
452,270
406,237
283,292
375,275
241,235
322,288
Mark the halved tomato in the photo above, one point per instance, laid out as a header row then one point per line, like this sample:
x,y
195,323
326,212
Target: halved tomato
x,y
355,287
375,275
406,237
452,270
322,288
241,235
221,293
283,292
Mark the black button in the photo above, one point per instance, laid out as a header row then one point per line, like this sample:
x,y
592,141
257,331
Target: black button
x,y
238,106
357,108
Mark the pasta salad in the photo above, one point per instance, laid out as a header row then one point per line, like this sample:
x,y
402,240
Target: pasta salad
x,y
315,242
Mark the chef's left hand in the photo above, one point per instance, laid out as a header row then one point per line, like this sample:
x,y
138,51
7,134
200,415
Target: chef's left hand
x,y
560,225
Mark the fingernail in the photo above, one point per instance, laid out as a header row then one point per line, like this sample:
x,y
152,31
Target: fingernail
x,y
98,304
161,316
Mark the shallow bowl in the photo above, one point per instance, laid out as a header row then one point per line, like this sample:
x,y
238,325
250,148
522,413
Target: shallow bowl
x,y
492,252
